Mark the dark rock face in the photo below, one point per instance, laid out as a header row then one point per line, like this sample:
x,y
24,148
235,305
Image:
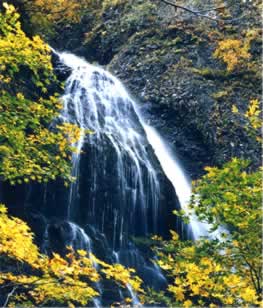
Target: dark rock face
x,y
181,96
61,71
166,60
98,202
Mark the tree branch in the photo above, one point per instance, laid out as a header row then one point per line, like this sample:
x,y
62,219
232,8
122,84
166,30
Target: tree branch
x,y
216,8
196,13
9,296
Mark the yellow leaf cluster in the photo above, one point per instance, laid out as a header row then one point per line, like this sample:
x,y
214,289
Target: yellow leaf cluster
x,y
253,113
252,117
17,49
72,132
225,272
59,10
236,52
16,239
234,109
233,52
29,150
48,279
120,274
209,280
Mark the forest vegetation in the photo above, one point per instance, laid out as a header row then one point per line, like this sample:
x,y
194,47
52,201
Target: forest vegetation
x,y
36,148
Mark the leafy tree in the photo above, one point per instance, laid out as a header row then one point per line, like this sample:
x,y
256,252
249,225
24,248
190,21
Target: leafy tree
x,y
251,118
226,270
50,16
29,150
235,52
232,52
36,279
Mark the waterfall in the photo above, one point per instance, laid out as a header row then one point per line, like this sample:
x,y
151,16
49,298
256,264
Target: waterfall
x,y
177,176
96,100
127,183
181,183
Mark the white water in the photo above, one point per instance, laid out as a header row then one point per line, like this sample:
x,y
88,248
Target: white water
x,y
80,240
178,178
96,100
123,137
181,184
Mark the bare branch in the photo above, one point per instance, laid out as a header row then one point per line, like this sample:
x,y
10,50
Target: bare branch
x,y
9,296
196,13
219,8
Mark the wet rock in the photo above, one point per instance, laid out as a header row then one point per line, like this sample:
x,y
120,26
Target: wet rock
x,y
62,72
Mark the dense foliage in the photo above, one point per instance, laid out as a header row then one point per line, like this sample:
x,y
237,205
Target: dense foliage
x,y
35,279
235,52
225,269
35,148
29,150
49,16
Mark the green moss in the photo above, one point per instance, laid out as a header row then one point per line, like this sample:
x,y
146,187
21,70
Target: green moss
x,y
136,15
168,42
211,73
106,4
220,94
177,51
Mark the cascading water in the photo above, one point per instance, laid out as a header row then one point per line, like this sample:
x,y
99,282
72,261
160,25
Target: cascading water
x,y
181,184
97,101
122,191
176,175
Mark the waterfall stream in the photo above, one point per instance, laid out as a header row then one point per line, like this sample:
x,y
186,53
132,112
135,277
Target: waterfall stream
x,y
177,176
127,182
97,101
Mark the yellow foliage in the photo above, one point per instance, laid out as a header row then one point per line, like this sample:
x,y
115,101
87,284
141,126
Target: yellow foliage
x,y
233,52
253,113
16,239
175,236
253,118
178,292
187,303
202,278
234,109
225,272
49,16
157,238
57,11
17,48
120,274
63,280
72,132
236,52
30,151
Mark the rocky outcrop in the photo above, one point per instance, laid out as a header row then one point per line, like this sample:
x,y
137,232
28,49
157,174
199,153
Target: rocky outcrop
x,y
165,58
188,95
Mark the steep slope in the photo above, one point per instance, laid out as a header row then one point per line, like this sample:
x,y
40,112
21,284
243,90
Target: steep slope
x,y
165,57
